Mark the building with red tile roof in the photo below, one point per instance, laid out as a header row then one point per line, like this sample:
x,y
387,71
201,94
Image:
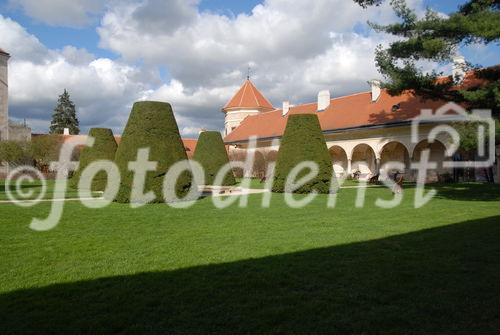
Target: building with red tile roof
x,y
248,97
362,130
247,101
189,143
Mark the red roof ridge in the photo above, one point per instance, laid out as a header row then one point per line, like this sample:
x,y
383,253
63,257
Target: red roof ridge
x,y
314,103
248,97
244,90
352,94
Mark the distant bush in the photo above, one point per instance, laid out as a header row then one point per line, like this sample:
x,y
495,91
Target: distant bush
x,y
261,161
151,125
104,148
45,149
303,141
12,152
211,153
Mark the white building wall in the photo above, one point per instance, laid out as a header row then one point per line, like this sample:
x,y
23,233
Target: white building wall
x,y
4,96
234,118
375,139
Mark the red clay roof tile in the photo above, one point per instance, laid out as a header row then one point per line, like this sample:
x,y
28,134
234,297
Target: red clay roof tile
x,y
350,111
248,97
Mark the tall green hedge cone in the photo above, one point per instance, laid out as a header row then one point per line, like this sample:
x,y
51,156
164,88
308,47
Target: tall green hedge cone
x,y
104,148
211,153
303,141
152,125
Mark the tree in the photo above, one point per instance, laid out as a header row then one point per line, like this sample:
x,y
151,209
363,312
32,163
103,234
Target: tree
x,y
468,132
64,116
436,38
45,149
303,141
211,153
104,148
11,152
151,125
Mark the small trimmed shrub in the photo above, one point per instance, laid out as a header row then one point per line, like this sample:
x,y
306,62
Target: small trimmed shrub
x,y
211,153
152,125
104,148
303,141
11,152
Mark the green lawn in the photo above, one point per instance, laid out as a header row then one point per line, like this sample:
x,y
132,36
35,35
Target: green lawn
x,y
433,270
35,187
255,183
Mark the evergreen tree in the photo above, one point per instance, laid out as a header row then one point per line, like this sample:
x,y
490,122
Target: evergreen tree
x,y
151,125
64,116
211,153
437,38
303,141
104,148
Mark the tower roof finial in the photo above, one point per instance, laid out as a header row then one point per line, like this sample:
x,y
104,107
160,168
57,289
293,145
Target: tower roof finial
x,y
248,72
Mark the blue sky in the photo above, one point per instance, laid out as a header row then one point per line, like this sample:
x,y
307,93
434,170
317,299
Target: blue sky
x,y
188,52
87,37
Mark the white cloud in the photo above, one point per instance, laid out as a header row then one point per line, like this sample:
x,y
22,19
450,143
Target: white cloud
x,y
18,43
296,48
72,13
102,89
281,38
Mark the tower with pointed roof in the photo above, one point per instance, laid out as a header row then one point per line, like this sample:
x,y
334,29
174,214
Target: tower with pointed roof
x,y
247,101
4,95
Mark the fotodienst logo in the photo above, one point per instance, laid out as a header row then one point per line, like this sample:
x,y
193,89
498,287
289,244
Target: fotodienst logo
x,y
438,124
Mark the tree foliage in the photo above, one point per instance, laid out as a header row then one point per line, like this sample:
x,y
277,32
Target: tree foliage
x,y
64,116
151,125
468,132
104,148
211,153
45,149
436,38
12,152
303,141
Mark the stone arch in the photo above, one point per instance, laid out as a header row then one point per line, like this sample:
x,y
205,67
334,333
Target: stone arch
x,y
363,160
272,156
437,155
339,160
394,151
259,165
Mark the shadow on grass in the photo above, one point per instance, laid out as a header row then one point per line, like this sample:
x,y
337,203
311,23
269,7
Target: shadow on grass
x,y
468,191
442,280
460,191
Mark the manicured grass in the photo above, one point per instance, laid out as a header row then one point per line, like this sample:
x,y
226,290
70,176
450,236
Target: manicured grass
x,y
36,187
156,269
255,182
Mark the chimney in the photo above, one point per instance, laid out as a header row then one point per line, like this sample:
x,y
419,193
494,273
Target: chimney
x,y
375,87
66,131
323,100
286,107
459,68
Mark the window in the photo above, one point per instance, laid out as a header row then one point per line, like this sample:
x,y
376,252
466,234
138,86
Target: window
x,y
395,108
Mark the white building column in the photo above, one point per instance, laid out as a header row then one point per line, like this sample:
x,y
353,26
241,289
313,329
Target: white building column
x,y
349,166
4,95
377,166
497,177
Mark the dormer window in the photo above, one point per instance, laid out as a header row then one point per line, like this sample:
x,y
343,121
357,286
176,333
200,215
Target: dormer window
x,y
395,108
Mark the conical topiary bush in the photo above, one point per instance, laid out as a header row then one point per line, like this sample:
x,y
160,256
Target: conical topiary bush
x,y
152,125
104,148
303,141
211,153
